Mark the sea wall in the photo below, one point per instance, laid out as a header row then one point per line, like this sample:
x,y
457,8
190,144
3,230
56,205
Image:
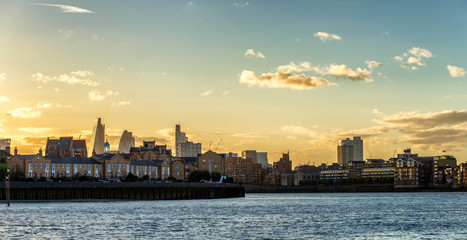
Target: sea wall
x,y
39,191
318,188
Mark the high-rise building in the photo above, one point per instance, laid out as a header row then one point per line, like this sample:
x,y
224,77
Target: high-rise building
x,y
127,141
98,137
284,164
257,157
250,154
183,147
5,145
350,150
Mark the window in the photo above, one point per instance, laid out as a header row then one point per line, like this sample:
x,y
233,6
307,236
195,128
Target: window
x,y
41,165
35,165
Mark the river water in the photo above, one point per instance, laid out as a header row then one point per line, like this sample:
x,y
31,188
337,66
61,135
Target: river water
x,y
257,216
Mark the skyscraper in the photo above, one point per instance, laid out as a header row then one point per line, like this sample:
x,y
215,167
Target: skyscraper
x,y
98,137
183,147
350,150
126,142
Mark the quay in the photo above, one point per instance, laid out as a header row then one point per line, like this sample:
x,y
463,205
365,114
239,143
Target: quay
x,y
44,191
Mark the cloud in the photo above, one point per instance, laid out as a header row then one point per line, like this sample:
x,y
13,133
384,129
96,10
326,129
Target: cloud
x,y
67,8
298,130
251,53
189,4
96,95
35,130
51,105
342,71
121,103
324,36
241,5
456,71
285,77
249,135
77,77
206,93
4,99
24,112
416,120
284,80
413,58
226,92
2,77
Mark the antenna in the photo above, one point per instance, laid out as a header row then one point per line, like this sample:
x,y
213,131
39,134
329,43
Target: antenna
x,y
210,145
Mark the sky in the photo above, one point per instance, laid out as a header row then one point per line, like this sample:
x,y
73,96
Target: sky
x,y
273,76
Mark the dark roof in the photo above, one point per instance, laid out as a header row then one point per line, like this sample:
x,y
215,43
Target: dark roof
x,y
73,160
26,156
107,156
79,144
189,159
157,161
142,162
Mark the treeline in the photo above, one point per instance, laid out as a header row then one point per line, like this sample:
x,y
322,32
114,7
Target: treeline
x,y
350,181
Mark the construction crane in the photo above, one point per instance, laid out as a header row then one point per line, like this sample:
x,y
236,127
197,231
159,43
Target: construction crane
x,y
210,145
218,145
394,154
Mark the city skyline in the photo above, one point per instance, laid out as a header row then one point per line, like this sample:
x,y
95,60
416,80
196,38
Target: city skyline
x,y
270,76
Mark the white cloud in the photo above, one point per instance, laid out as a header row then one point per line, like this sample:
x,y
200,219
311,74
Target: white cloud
x,y
67,8
4,99
77,77
44,105
121,103
284,80
24,112
52,105
96,95
413,58
189,4
456,71
373,64
35,130
324,36
251,53
206,93
249,135
298,130
226,92
241,5
342,71
2,77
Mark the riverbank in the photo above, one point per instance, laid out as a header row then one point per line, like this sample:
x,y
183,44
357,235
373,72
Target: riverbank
x,y
46,191
250,188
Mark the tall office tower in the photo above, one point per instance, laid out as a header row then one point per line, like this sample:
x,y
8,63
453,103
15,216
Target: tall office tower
x,y
183,147
98,137
250,154
262,157
126,142
350,150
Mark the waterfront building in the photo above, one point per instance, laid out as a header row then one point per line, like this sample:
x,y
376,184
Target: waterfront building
x,y
150,151
98,137
378,169
115,165
284,164
178,169
127,141
462,175
212,162
440,164
75,167
141,168
350,150
287,178
337,175
243,170
66,147
306,173
183,147
407,173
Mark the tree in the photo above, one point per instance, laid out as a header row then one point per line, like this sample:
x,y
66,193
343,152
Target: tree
x,y
146,178
197,176
3,171
216,176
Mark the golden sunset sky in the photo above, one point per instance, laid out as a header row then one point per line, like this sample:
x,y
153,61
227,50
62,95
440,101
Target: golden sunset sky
x,y
274,76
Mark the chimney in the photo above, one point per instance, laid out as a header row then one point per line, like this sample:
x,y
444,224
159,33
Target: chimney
x,y
40,151
16,151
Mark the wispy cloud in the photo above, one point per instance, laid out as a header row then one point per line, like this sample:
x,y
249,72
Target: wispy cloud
x,y
4,99
206,93
51,105
66,8
298,130
226,92
121,103
251,53
77,77
241,5
456,71
97,96
324,36
24,112
249,135
414,58
2,77
35,130
189,4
